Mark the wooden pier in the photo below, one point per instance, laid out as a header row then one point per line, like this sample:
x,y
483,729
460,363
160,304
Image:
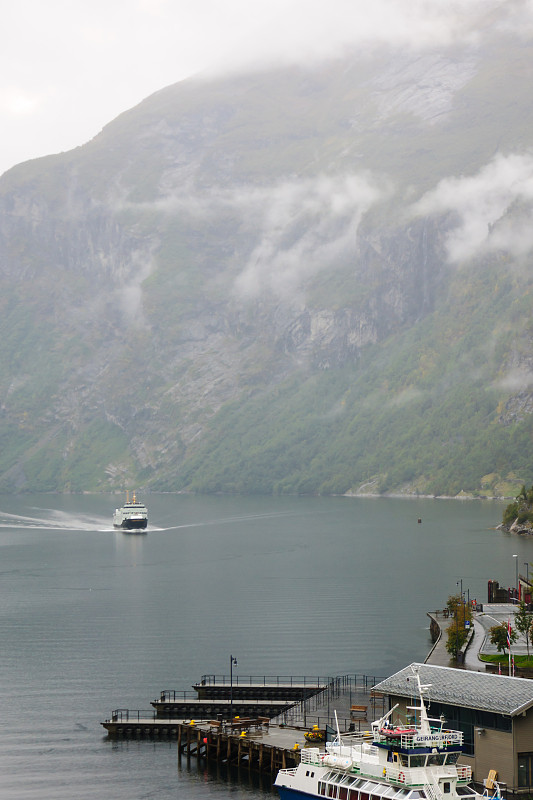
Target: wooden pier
x,y
253,743
264,732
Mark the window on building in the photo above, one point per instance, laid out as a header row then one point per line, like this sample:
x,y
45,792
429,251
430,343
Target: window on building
x,y
466,720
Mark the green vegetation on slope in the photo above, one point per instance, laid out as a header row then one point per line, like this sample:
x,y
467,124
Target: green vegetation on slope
x,y
419,412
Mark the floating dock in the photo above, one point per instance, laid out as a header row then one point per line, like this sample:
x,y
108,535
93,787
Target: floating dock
x,y
262,742
216,696
268,688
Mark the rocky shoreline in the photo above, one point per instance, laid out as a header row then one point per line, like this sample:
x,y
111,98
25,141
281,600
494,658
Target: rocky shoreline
x,y
522,528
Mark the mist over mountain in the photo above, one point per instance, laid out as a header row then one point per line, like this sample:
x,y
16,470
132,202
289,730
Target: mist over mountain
x,y
304,279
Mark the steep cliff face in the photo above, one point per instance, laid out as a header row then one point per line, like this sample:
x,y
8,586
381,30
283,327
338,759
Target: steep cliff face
x,y
262,272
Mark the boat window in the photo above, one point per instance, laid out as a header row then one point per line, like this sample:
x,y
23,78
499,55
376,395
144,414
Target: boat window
x,y
389,791
416,793
446,787
348,780
401,794
417,761
332,790
404,760
353,795
363,796
342,793
321,788
451,758
436,759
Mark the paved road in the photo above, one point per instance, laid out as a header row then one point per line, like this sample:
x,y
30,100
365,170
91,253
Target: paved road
x,y
492,614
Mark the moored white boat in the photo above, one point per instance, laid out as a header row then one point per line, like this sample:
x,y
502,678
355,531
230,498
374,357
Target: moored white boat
x,y
131,516
393,762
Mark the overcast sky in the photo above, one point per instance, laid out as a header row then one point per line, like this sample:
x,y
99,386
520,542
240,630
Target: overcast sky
x,y
70,66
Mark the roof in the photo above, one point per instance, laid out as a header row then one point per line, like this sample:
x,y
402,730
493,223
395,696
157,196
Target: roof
x,y
480,690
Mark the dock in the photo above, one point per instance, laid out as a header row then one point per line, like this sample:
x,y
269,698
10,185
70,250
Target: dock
x,y
252,743
261,742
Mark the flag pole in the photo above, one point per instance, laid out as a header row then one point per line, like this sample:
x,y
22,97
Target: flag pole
x,y
509,642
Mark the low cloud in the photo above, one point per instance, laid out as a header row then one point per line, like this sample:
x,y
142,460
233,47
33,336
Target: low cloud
x,y
482,204
307,30
518,379
305,226
406,397
300,226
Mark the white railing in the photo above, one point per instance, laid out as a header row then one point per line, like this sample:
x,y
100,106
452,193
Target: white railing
x,y
311,755
396,775
432,792
412,739
291,771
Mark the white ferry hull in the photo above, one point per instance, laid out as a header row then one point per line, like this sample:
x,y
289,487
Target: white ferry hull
x,y
133,516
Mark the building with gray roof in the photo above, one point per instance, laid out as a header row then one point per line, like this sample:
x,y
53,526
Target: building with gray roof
x,y
494,713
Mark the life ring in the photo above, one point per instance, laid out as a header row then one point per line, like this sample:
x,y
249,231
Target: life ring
x,y
401,777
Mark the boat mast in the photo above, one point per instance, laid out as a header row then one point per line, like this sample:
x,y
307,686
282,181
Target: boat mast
x,y
425,727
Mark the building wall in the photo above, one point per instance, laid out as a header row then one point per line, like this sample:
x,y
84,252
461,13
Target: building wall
x,y
493,750
523,747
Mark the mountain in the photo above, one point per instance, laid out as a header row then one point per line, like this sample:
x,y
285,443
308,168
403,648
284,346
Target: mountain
x,y
308,279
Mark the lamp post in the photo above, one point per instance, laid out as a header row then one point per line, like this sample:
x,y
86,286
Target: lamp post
x,y
459,640
516,570
462,600
526,564
232,663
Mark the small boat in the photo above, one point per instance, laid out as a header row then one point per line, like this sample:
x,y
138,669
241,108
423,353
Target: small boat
x,y
132,516
390,762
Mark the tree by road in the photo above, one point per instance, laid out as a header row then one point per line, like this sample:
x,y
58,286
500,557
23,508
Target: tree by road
x,y
502,635
522,621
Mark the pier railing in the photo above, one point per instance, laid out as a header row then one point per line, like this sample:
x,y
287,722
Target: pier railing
x,y
339,695
132,715
265,680
173,696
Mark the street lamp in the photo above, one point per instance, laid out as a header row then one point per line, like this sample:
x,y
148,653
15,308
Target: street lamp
x,y
462,600
516,569
232,663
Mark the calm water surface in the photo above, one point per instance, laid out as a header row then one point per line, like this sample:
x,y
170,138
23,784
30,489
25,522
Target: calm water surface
x,y
92,619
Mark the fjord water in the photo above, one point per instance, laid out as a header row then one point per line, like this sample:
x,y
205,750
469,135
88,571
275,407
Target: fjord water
x,y
94,619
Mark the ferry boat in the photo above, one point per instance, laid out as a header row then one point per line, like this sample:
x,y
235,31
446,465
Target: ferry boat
x,y
131,516
390,762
